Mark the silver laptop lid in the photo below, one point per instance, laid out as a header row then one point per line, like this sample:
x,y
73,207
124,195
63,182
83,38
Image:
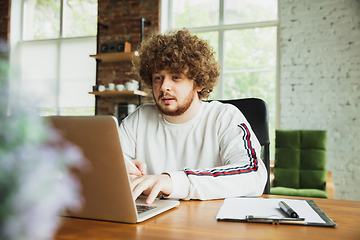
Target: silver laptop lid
x,y
105,184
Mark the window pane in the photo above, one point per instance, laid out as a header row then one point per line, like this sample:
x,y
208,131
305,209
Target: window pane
x,y
47,111
250,49
213,38
38,69
251,84
81,18
42,19
58,74
38,94
77,111
249,11
250,67
195,13
77,72
255,85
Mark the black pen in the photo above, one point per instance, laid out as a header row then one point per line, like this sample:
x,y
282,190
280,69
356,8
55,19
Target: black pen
x,y
288,210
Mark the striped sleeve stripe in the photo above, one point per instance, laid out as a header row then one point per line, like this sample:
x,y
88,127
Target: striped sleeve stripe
x,y
220,172
247,143
252,167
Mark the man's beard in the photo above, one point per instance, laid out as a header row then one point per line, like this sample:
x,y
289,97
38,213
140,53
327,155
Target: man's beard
x,y
180,109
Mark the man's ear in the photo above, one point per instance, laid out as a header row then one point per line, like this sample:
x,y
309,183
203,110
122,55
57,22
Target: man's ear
x,y
199,89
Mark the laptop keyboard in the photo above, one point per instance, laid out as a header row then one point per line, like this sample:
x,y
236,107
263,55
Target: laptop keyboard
x,y
143,208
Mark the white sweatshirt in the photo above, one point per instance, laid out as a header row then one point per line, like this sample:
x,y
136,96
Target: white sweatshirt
x,y
214,155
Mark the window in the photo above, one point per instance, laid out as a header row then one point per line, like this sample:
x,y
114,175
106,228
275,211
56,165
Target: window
x,y
244,35
56,70
46,19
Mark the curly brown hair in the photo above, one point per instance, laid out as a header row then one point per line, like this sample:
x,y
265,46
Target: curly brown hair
x,y
180,53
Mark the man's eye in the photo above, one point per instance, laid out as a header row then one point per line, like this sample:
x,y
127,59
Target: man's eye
x,y
157,78
176,78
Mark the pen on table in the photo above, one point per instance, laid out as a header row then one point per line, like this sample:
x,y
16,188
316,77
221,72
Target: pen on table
x,y
288,210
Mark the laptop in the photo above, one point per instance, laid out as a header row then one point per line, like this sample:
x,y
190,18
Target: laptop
x,y
105,183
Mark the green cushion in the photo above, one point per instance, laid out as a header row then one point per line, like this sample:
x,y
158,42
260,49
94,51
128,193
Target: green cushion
x,y
286,177
312,179
298,192
287,158
287,139
300,162
312,159
313,139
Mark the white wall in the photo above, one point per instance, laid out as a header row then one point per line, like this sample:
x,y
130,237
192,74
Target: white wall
x,y
320,80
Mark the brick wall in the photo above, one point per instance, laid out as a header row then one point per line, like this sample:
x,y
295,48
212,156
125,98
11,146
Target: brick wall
x,y
320,80
123,18
4,41
5,20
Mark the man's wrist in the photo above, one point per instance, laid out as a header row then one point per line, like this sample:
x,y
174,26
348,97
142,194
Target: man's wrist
x,y
180,183
168,183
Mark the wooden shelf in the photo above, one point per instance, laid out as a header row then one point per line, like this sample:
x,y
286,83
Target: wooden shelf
x,y
119,93
114,57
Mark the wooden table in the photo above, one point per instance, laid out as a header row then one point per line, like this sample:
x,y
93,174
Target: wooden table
x,y
196,220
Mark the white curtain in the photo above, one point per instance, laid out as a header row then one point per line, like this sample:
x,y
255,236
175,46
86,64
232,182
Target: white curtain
x,y
58,74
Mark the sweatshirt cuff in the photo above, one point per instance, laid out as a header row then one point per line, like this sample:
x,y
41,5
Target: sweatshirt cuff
x,y
181,185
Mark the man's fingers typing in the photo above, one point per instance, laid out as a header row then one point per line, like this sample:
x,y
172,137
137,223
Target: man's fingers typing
x,y
140,165
151,185
141,184
154,193
132,170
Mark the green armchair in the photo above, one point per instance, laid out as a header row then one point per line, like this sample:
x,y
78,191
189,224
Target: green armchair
x,y
300,164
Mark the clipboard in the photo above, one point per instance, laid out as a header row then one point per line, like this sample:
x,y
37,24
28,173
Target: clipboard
x,y
275,221
266,210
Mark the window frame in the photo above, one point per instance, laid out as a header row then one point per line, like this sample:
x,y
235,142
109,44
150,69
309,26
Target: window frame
x,y
166,24
61,28
167,21
18,37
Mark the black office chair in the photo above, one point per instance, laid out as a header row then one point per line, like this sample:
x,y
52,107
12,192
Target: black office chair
x,y
256,112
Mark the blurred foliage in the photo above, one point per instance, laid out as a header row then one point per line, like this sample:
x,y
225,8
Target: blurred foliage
x,y
35,180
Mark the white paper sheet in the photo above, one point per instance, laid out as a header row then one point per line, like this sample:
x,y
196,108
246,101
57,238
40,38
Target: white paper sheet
x,y
239,208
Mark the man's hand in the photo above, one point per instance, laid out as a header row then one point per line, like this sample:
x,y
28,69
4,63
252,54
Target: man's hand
x,y
138,168
151,185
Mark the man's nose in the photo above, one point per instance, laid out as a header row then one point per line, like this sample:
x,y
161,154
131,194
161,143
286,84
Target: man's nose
x,y
166,84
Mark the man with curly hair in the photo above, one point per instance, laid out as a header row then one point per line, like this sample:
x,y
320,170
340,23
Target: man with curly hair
x,y
183,147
